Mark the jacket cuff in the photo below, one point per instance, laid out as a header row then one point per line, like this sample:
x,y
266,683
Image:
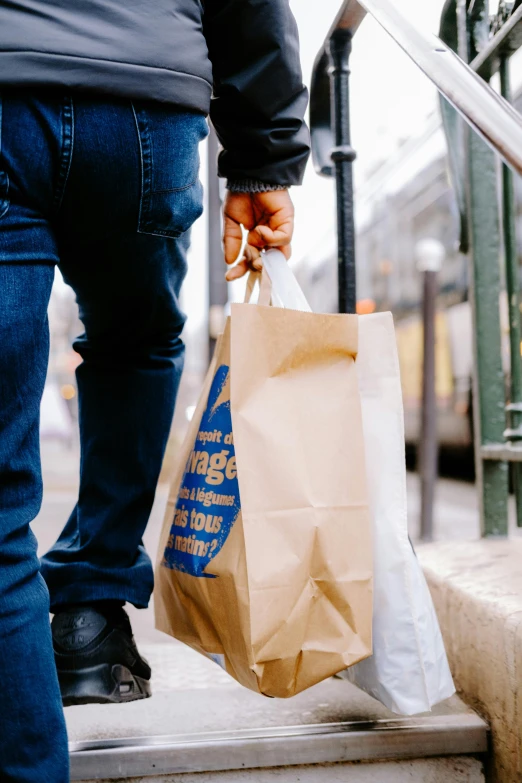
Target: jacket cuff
x,y
252,186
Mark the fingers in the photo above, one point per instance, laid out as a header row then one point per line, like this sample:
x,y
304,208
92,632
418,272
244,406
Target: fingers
x,y
265,237
252,258
251,261
232,240
270,218
249,264
237,271
237,209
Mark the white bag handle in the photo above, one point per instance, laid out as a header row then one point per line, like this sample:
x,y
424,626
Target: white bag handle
x,y
286,291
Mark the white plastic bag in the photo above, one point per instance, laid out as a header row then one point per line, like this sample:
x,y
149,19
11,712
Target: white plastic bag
x,y
408,671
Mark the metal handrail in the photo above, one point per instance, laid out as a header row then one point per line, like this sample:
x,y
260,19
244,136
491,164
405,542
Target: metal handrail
x,y
483,109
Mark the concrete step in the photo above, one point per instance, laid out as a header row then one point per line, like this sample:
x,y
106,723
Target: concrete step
x,y
202,726
453,769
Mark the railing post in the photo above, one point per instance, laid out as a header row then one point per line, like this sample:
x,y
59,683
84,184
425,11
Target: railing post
x,y
488,387
488,377
343,156
514,433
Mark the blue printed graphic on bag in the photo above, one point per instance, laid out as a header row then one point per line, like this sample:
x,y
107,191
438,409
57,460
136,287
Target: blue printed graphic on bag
x,y
208,500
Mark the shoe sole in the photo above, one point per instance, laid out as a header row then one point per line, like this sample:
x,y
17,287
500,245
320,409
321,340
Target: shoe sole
x,y
103,684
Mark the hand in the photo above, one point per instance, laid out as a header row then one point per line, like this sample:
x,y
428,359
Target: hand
x,y
269,218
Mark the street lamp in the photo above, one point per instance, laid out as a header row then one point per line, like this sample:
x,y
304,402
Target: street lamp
x,y
430,254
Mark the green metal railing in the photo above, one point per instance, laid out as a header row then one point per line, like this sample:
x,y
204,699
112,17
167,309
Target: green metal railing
x,y
481,126
488,43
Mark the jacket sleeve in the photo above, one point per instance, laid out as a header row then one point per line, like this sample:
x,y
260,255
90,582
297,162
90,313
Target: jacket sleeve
x,y
259,100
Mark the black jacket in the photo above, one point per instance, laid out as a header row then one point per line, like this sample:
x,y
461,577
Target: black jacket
x,y
243,53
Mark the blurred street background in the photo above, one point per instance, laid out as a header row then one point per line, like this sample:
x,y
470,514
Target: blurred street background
x,y
410,260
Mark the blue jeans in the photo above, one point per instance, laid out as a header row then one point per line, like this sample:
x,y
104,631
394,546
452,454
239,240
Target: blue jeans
x,y
108,190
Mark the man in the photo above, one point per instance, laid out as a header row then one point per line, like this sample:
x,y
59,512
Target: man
x,y
102,107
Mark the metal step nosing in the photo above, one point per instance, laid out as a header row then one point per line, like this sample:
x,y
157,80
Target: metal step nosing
x,y
279,747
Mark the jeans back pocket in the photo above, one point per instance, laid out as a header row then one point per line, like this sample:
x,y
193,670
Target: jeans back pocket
x,y
171,193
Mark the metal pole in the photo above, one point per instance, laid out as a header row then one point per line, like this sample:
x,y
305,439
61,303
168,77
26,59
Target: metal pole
x,y
430,255
514,433
343,156
217,285
428,446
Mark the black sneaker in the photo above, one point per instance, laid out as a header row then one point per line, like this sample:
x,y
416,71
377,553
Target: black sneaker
x,y
96,656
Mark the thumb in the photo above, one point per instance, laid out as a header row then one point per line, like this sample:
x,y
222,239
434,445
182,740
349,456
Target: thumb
x,y
264,236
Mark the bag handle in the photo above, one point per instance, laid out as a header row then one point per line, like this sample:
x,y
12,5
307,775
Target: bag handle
x,y
286,291
252,279
277,284
265,287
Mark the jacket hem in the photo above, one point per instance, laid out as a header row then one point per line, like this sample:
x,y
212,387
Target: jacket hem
x,y
128,80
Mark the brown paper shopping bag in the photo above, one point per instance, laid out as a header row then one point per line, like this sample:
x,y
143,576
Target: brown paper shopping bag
x,y
265,559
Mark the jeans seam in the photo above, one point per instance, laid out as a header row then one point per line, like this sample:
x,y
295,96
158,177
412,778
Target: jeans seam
x,y
66,152
146,165
180,189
